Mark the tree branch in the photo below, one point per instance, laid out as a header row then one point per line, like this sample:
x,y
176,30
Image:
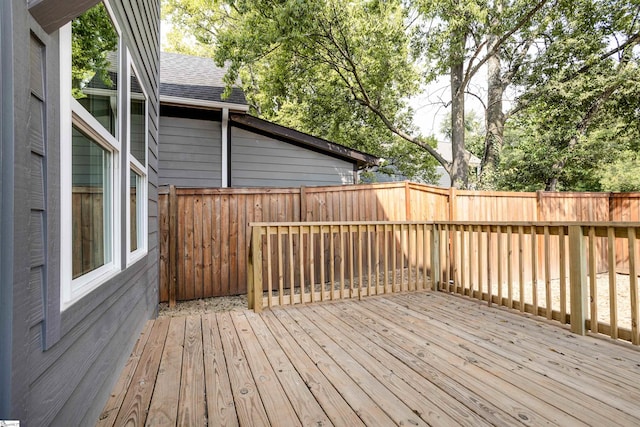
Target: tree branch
x,y
633,40
470,73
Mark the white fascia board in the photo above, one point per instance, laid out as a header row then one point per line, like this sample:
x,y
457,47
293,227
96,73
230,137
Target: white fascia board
x,y
203,104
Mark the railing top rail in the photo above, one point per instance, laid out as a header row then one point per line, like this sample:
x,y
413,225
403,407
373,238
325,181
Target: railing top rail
x,y
601,229
318,223
617,224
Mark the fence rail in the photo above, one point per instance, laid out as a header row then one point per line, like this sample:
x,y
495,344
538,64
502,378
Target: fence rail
x,y
549,269
204,233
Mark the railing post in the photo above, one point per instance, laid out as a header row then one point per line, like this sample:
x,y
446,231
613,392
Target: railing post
x,y
435,257
577,280
255,285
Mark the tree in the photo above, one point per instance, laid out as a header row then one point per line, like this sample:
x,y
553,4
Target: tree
x,y
578,108
460,38
339,70
343,71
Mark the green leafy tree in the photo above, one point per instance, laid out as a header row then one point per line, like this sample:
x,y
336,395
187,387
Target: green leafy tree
x,y
578,108
459,39
343,71
622,174
338,70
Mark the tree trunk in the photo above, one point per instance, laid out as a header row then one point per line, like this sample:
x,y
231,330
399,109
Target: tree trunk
x,y
495,118
460,161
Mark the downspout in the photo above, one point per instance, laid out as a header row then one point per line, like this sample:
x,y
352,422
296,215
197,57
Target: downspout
x,y
224,144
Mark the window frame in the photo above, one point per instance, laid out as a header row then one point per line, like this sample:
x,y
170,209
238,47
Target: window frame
x,y
139,168
72,113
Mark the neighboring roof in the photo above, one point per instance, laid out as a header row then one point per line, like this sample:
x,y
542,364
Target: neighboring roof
x,y
267,128
445,149
193,77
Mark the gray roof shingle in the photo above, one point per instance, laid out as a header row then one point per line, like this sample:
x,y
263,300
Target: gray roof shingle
x,y
194,77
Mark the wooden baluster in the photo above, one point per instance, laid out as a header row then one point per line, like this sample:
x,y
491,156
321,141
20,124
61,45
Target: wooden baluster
x,y
613,290
633,284
280,267
563,277
547,273
269,279
593,284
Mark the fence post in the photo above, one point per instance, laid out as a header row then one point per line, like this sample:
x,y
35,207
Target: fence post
x,y
255,292
452,204
303,204
407,201
539,195
435,257
577,280
173,245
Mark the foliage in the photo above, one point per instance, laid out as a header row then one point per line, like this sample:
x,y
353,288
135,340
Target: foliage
x,y
623,174
474,132
579,106
338,70
93,38
344,70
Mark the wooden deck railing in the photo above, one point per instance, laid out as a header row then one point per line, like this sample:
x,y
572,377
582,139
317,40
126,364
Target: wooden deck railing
x,y
295,263
204,234
554,270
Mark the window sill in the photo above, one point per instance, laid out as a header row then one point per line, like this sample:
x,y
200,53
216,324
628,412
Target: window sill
x,y
83,285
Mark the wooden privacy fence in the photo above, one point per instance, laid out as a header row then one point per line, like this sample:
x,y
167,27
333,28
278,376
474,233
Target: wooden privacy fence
x,y
205,234
509,264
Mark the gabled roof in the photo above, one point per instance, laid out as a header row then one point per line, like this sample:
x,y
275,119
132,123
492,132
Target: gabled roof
x,y
196,82
196,78
302,139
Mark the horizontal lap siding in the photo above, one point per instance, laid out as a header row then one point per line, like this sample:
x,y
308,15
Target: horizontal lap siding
x,y
190,152
69,382
259,161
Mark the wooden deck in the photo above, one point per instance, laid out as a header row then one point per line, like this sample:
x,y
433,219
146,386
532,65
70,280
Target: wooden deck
x,y
421,358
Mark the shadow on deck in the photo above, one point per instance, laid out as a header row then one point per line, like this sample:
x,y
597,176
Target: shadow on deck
x,y
419,358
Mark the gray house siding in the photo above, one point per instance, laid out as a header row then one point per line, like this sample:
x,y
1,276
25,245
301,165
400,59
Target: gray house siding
x,y
6,206
260,161
62,365
190,152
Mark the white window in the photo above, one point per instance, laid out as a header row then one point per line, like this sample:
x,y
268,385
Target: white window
x,y
137,162
97,86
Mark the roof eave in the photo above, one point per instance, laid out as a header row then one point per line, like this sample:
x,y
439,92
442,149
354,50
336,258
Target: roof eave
x,y
359,158
200,103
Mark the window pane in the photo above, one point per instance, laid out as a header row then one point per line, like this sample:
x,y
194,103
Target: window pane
x,y
91,204
138,125
94,65
135,212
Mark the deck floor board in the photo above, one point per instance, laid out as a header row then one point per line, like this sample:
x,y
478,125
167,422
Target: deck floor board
x,y
421,358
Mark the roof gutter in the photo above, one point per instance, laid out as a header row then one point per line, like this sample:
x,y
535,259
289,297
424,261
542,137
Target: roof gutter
x,y
201,103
